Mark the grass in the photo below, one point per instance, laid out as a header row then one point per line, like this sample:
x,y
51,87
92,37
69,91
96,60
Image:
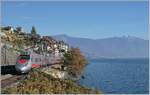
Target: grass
x,y
41,83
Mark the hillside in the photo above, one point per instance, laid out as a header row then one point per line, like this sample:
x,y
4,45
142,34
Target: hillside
x,y
115,47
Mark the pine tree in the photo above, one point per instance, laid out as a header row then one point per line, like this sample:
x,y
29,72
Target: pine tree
x,y
33,31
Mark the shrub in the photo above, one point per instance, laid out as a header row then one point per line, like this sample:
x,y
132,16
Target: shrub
x,y
41,83
75,61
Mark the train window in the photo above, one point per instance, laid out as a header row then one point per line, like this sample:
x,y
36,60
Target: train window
x,y
36,59
25,57
31,59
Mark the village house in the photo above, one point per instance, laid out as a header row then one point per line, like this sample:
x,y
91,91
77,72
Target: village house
x,y
18,30
8,29
63,47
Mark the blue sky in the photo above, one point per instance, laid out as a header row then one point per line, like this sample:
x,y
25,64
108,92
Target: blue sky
x,y
79,19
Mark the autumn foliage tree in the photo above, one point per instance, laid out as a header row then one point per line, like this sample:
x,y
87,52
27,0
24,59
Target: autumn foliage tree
x,y
75,61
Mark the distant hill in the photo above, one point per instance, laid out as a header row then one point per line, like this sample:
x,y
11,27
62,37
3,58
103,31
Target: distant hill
x,y
115,47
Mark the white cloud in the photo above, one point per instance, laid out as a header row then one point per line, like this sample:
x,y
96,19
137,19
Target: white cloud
x,y
26,17
21,4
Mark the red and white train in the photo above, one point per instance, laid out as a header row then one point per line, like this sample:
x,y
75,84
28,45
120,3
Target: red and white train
x,y
25,62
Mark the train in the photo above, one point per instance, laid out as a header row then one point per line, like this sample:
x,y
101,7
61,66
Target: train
x,y
25,62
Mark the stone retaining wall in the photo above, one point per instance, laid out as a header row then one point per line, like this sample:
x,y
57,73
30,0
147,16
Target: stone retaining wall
x,y
8,56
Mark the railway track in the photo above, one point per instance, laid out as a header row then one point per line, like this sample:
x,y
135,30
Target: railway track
x,y
9,81
15,76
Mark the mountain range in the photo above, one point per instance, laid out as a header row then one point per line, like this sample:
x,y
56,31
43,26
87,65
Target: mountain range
x,y
114,47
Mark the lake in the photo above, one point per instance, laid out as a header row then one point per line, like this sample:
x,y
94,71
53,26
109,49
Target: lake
x,y
117,76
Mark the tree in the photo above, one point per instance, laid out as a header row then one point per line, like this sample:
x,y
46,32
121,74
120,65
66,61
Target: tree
x,y
75,61
33,31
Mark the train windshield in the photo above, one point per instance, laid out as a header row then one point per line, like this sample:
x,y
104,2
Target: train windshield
x,y
23,59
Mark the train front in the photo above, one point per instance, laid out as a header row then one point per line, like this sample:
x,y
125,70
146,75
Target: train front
x,y
23,64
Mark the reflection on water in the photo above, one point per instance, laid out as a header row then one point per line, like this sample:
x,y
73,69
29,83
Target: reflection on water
x,y
117,76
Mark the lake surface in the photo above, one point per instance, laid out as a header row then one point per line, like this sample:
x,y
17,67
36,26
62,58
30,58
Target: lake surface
x,y
126,76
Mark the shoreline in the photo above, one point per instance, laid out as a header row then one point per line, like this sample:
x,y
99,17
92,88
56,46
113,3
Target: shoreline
x,y
32,85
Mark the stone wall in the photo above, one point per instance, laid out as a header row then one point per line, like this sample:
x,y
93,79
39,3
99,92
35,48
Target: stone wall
x,y
8,56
